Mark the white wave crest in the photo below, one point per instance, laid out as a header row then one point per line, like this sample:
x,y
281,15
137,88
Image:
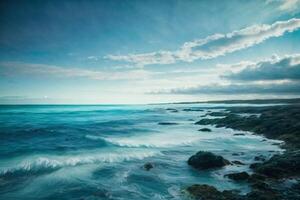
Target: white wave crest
x,y
156,140
48,162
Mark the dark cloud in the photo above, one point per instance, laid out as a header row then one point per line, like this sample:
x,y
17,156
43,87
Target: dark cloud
x,y
274,69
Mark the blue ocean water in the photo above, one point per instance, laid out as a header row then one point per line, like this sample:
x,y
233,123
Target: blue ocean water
x,y
98,151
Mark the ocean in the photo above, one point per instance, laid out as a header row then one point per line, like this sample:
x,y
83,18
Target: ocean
x,y
98,151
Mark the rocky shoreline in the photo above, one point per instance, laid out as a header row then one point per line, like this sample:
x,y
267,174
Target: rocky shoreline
x,y
276,178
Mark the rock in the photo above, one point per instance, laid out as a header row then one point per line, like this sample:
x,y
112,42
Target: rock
x,y
237,162
280,166
206,192
254,165
205,130
167,123
238,154
259,158
238,134
256,178
207,160
240,176
148,166
192,109
172,109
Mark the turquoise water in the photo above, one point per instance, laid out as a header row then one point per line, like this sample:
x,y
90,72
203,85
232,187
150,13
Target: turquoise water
x,y
98,152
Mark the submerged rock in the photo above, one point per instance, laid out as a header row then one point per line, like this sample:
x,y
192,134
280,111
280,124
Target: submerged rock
x,y
259,158
237,162
205,130
240,176
172,109
167,123
147,166
207,160
192,109
238,134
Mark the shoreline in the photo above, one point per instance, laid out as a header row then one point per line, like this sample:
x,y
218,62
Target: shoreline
x,y
279,122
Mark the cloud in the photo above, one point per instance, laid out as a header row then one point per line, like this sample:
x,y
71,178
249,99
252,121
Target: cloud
x,y
19,68
270,76
92,58
275,68
213,46
286,5
231,89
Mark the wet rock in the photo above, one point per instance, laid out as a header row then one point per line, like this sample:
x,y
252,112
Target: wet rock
x,y
207,192
259,158
205,130
238,134
238,154
263,195
279,166
172,109
240,176
148,166
168,123
192,109
237,162
207,160
257,177
217,114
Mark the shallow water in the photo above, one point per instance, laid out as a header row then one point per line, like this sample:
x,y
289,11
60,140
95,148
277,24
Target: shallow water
x,y
97,152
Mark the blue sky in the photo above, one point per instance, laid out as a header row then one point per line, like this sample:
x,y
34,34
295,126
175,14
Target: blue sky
x,y
148,51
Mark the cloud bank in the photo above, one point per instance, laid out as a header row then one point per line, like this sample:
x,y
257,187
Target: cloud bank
x,y
213,46
231,89
272,76
275,68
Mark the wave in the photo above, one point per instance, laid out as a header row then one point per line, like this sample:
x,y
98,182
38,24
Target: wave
x,y
155,140
37,164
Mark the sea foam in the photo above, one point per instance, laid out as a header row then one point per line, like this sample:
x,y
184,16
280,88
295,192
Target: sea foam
x,y
52,162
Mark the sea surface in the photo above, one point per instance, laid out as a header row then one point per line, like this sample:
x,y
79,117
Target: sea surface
x,y
98,151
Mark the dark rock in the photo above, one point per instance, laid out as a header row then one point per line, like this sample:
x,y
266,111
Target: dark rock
x,y
279,166
207,160
217,114
240,176
259,158
260,185
256,178
254,165
263,195
192,109
237,162
239,134
172,109
168,123
206,192
205,130
148,166
238,154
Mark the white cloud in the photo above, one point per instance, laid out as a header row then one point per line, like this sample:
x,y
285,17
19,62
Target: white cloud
x,y
213,46
286,5
17,68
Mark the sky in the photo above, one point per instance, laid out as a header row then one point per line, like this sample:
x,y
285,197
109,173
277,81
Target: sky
x,y
148,51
